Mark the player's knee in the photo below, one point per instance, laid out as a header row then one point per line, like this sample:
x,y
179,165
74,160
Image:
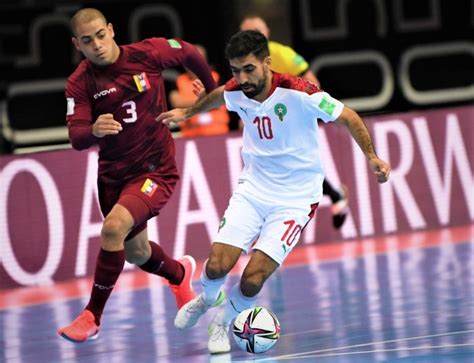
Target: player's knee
x,y
113,231
136,255
251,285
215,269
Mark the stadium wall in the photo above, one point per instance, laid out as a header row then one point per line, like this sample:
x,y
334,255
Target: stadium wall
x,y
50,221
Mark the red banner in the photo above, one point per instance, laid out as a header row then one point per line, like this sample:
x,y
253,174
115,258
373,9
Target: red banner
x,y
50,220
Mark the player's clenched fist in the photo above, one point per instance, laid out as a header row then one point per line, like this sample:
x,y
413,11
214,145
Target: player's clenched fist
x,y
106,125
381,169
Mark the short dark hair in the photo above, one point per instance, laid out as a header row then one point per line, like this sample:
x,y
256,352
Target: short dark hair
x,y
247,42
85,15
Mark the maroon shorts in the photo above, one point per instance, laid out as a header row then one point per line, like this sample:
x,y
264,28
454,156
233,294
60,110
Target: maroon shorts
x,y
143,196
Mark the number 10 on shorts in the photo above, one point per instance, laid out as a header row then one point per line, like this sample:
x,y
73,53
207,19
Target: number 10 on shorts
x,y
292,233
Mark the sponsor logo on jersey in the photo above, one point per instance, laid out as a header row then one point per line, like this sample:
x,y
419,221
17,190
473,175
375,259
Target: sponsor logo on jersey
x,y
104,92
280,110
244,110
327,106
174,43
70,106
149,187
103,287
141,81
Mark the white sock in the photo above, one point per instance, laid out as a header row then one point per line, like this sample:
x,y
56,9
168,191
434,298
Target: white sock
x,y
210,288
236,303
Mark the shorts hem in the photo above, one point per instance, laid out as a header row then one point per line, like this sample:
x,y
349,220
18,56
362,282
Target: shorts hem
x,y
269,255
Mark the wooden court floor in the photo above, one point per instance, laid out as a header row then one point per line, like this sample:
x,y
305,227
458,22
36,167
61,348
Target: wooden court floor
x,y
400,298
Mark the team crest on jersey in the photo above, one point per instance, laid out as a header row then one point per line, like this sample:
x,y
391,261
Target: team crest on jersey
x,y
149,187
141,81
280,110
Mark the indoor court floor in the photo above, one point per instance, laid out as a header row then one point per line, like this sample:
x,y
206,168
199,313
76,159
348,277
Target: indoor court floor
x,y
398,298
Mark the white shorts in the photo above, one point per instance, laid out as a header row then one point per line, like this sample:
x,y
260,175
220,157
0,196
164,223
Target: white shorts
x,y
275,228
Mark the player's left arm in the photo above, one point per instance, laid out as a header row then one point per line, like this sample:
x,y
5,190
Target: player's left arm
x,y
174,52
360,133
195,62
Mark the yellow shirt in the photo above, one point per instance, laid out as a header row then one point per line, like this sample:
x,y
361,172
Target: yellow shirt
x,y
286,60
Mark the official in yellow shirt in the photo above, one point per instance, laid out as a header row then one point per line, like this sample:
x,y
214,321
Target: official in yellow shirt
x,y
284,58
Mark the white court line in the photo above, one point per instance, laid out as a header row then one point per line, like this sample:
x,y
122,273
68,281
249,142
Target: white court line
x,y
302,332
395,350
366,352
313,353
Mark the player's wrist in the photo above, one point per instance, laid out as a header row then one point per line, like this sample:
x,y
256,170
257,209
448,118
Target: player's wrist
x,y
189,112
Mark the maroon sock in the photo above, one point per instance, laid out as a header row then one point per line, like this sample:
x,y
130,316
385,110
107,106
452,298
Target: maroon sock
x,y
162,265
108,268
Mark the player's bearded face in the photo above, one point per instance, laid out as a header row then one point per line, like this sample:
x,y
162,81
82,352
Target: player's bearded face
x,y
252,89
251,75
95,39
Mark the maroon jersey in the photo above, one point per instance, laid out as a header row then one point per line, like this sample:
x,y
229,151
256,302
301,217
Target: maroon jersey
x,y
132,89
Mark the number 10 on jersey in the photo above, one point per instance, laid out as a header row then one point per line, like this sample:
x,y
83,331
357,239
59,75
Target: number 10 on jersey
x,y
264,127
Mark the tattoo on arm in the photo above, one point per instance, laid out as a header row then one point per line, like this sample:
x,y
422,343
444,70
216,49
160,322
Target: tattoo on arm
x,y
207,103
361,135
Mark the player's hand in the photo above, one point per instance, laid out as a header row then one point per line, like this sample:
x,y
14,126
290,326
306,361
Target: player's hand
x,y
380,168
198,89
106,125
173,116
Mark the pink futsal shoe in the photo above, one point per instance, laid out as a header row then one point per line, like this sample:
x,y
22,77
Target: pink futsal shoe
x,y
82,329
184,292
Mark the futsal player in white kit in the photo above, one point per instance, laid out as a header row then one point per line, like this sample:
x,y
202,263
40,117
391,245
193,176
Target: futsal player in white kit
x,y
281,183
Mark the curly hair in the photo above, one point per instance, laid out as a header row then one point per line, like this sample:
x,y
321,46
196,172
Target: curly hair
x,y
247,42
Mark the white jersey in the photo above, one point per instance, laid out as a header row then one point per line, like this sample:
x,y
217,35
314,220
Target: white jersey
x,y
281,150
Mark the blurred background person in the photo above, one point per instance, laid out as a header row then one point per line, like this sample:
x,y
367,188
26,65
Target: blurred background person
x,y
284,58
214,122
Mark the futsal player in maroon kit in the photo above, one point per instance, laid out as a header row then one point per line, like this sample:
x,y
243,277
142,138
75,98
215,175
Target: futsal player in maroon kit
x,y
113,99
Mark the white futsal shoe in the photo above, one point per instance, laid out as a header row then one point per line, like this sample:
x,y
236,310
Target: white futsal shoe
x,y
190,313
218,335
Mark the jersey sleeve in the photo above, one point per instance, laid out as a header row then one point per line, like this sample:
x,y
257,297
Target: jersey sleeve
x,y
176,52
79,115
323,106
228,102
286,60
231,85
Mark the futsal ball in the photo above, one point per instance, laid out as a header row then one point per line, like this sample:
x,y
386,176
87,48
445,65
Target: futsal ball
x,y
256,330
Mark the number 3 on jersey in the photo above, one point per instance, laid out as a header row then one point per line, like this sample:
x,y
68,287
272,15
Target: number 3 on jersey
x,y
131,109
264,127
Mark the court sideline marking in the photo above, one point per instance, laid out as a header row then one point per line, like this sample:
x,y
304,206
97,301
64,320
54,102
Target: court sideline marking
x,y
317,353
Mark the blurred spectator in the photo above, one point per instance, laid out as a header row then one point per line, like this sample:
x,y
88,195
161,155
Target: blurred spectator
x,y
215,122
284,58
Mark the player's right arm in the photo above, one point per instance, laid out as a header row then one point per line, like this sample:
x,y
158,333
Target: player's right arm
x,y
213,100
83,131
106,125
